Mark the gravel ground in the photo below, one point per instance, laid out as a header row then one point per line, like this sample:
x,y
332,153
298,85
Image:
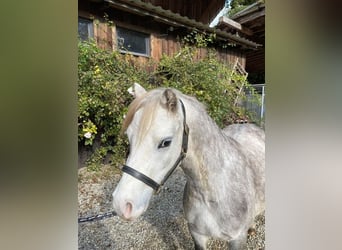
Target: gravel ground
x,y
163,225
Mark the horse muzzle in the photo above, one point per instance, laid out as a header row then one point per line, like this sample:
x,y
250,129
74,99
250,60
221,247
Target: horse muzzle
x,y
130,205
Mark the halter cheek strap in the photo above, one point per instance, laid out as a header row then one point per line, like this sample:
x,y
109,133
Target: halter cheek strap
x,y
147,180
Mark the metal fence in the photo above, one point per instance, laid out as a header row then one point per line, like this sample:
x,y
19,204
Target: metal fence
x,y
258,108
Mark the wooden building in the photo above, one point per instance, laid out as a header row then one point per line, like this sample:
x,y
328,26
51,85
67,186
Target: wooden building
x,y
151,28
250,23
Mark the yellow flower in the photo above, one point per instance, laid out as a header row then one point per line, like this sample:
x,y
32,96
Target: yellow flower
x,y
97,70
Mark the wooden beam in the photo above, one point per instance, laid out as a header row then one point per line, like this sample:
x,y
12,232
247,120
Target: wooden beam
x,y
250,17
225,21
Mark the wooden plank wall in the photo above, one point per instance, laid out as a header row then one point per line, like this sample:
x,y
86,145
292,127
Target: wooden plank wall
x,y
229,56
163,41
160,44
170,46
164,44
256,61
103,34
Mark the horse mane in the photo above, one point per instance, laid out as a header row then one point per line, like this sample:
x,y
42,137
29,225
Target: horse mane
x,y
149,101
132,109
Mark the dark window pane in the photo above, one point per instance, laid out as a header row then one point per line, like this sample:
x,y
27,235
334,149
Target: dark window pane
x,y
133,41
85,28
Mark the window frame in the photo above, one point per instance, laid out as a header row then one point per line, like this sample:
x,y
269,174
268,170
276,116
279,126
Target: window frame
x,y
90,26
147,40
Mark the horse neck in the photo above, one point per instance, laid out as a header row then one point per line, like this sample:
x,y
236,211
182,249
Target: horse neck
x,y
206,144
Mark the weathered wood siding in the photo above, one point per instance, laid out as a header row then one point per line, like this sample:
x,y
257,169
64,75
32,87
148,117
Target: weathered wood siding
x,y
170,46
162,41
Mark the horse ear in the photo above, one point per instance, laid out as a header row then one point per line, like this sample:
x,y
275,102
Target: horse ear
x,y
136,90
169,99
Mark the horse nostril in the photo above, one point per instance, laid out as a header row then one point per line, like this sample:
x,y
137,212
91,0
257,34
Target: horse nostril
x,y
128,210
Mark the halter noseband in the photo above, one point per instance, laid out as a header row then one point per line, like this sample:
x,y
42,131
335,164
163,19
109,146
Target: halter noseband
x,y
147,180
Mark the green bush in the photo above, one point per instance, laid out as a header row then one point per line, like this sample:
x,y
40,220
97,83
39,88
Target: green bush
x,y
104,77
210,81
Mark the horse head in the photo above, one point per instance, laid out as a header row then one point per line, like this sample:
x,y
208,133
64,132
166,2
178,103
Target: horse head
x,y
155,126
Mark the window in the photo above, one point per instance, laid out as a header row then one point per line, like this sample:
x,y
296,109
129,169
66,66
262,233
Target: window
x,y
85,28
133,41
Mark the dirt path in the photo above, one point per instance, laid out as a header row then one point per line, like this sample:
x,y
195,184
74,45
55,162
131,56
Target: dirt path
x,y
163,226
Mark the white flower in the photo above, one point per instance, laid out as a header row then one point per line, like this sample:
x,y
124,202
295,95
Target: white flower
x,y
87,135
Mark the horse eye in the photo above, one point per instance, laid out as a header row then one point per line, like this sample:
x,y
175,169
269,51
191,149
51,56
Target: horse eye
x,y
165,143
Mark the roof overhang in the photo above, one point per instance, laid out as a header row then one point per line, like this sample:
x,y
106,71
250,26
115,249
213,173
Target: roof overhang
x,y
174,19
251,12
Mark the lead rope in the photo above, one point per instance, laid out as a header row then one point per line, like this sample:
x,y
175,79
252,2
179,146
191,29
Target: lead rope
x,y
96,217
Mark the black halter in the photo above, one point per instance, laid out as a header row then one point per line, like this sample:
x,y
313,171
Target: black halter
x,y
147,180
